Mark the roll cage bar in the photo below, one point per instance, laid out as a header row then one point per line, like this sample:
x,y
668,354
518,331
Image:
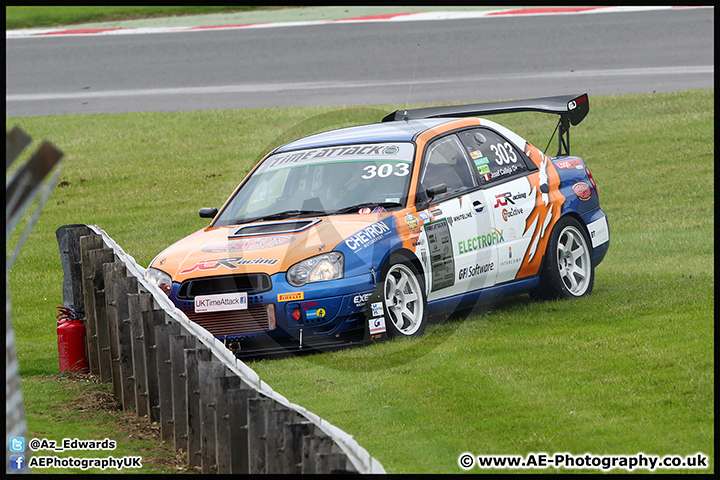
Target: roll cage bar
x,y
572,109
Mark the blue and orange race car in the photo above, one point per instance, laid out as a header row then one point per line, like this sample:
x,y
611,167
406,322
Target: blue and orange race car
x,y
363,232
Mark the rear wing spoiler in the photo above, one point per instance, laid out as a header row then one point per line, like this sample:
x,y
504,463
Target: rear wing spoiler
x,y
572,109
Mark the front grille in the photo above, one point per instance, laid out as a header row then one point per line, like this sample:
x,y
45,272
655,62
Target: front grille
x,y
257,318
252,283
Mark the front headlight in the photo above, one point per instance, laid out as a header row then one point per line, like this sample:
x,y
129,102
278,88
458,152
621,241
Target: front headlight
x,y
328,266
159,278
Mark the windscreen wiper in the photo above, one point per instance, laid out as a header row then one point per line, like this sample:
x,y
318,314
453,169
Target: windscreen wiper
x,y
291,213
355,208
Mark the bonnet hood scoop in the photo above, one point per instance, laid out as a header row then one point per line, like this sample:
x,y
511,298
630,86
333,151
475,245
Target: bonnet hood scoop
x,y
292,226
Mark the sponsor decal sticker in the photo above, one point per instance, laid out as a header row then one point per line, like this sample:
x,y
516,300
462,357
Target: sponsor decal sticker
x,y
367,236
231,263
221,302
376,325
286,297
255,243
412,221
481,241
313,314
342,151
511,212
510,259
502,199
599,232
570,163
582,190
480,160
377,309
474,270
361,299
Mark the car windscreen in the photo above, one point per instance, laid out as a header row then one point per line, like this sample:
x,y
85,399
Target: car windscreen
x,y
324,181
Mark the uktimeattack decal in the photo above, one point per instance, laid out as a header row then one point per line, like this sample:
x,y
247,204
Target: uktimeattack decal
x,y
393,153
256,243
221,302
231,263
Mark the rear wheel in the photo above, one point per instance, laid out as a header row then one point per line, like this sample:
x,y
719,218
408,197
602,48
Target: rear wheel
x,y
568,270
405,303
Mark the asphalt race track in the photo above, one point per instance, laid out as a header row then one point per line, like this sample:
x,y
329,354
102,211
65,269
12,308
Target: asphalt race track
x,y
364,63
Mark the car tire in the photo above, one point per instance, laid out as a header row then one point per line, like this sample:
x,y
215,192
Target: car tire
x,y
568,271
404,300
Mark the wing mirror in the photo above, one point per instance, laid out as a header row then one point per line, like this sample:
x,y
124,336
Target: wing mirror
x,y
436,190
208,212
423,203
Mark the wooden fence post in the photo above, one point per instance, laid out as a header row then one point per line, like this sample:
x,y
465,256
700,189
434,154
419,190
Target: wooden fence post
x,y
117,290
110,272
232,423
312,446
96,306
192,357
88,243
275,441
62,238
292,457
333,462
178,343
74,259
223,426
165,379
151,319
208,373
257,434
139,304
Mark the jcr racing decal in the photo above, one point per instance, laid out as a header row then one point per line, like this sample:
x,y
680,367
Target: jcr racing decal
x,y
231,263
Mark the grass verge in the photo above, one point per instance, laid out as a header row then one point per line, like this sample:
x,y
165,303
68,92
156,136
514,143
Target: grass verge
x,y
49,16
629,369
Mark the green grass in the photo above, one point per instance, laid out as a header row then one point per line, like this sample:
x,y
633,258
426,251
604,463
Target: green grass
x,y
48,16
76,406
628,369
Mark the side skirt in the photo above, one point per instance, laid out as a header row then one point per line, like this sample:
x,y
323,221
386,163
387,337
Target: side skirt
x,y
477,297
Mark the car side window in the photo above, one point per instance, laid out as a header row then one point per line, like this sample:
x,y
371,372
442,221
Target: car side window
x,y
446,163
495,158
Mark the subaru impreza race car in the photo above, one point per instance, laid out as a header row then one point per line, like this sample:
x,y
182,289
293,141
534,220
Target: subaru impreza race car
x,y
365,231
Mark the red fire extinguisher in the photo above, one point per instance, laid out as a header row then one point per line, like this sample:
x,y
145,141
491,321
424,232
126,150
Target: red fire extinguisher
x,y
71,341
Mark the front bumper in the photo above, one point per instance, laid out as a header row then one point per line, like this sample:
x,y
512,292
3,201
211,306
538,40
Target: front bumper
x,y
286,318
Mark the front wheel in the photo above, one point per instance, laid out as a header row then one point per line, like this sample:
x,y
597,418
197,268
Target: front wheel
x,y
569,270
404,299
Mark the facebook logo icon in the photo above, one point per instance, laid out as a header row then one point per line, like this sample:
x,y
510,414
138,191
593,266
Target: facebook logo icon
x,y
17,462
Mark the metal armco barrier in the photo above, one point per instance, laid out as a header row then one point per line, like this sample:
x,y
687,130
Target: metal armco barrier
x,y
174,372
